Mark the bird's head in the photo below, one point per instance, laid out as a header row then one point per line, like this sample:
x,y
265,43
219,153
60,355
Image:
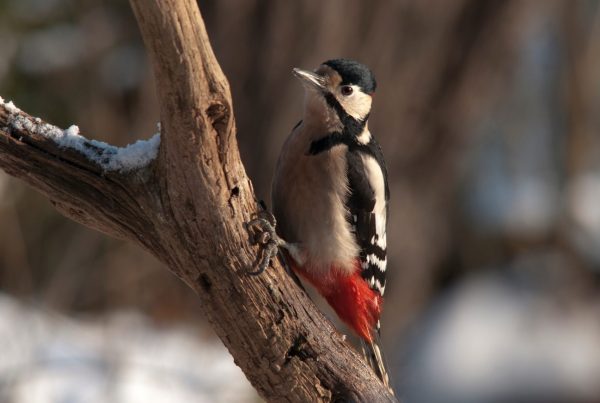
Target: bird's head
x,y
339,86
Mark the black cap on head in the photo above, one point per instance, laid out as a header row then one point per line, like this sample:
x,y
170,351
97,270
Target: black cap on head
x,y
354,73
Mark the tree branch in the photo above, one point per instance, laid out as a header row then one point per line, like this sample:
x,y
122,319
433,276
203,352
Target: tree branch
x,y
188,207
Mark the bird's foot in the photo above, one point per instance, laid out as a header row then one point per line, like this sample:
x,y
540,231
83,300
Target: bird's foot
x,y
263,232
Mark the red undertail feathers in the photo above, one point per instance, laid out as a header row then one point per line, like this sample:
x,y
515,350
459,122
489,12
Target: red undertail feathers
x,y
350,296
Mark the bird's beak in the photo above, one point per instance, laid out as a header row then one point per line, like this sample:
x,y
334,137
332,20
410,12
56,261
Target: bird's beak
x,y
310,79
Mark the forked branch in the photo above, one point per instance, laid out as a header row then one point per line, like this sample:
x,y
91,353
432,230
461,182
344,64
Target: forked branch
x,y
187,204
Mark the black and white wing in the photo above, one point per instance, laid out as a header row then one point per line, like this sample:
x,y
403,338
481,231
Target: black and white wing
x,y
368,206
368,209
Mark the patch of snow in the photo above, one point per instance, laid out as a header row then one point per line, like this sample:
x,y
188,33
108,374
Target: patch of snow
x,y
11,107
492,339
122,358
110,158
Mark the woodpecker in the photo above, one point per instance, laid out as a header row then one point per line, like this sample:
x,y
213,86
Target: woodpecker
x,y
330,199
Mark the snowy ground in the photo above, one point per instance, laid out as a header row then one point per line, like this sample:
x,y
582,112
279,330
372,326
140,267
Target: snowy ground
x,y
497,338
45,357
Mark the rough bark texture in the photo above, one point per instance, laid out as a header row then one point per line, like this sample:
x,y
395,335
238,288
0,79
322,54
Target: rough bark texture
x,y
188,208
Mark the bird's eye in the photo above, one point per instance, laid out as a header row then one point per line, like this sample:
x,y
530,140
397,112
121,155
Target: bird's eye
x,y
347,90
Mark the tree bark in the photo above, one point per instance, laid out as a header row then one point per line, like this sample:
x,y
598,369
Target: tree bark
x,y
188,208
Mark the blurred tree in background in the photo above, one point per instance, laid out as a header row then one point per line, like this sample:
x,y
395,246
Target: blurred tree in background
x,y
488,114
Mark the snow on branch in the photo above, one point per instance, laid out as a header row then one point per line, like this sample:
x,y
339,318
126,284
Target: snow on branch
x,y
108,157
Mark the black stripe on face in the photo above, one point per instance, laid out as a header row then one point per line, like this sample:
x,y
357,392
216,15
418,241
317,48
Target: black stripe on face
x,y
352,127
348,136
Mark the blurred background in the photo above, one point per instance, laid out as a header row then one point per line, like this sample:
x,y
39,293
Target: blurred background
x,y
488,112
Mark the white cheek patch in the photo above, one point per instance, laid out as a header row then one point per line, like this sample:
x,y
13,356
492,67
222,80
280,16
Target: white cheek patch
x,y
357,105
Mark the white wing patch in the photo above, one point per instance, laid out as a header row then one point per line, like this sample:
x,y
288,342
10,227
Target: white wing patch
x,y
375,177
372,260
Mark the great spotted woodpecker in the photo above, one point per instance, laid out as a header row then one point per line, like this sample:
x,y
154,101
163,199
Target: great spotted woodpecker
x,y
330,198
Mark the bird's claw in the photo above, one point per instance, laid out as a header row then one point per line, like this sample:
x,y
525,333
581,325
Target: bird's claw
x,y
264,234
262,230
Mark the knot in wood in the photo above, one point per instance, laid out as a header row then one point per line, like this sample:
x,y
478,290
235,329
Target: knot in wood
x,y
218,113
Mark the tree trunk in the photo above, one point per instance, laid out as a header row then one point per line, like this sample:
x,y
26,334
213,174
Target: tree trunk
x,y
188,207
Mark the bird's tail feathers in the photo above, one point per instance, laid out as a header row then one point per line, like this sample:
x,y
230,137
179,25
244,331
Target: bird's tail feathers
x,y
375,359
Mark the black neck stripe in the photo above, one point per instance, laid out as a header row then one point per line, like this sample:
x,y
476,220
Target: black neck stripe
x,y
327,142
333,139
349,134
